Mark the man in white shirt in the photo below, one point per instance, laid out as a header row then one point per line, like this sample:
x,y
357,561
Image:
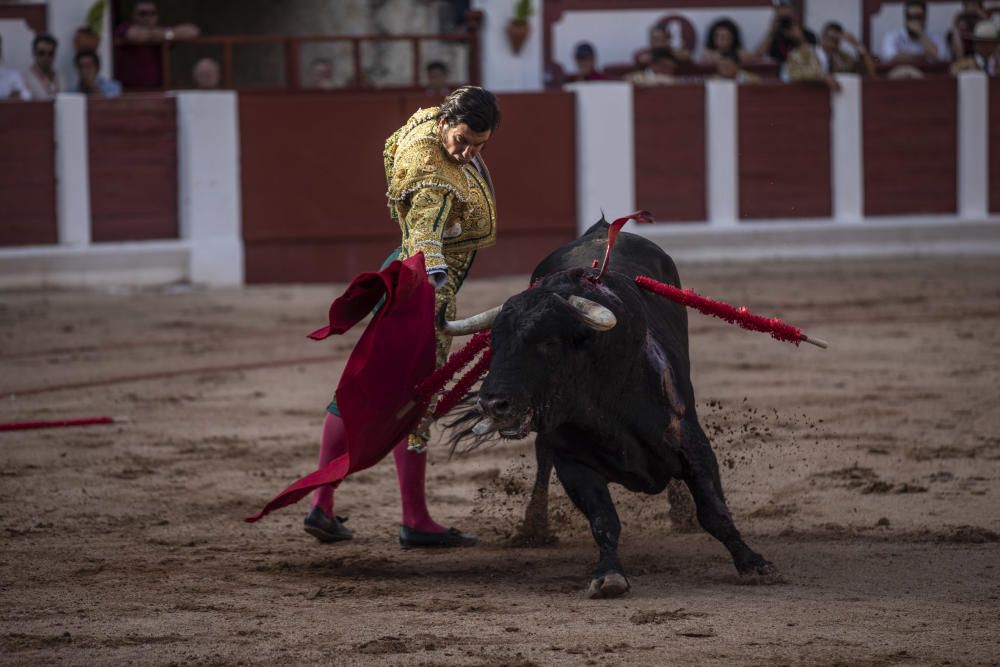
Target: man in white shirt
x,y
912,44
11,84
42,80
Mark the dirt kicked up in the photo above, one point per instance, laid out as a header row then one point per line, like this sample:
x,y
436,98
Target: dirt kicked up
x,y
868,473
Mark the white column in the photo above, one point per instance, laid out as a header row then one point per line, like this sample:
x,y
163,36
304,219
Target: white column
x,y
722,153
605,151
209,186
973,145
72,169
846,153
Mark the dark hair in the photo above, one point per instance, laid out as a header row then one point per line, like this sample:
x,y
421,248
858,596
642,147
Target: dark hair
x,y
915,3
436,65
733,28
584,50
662,54
44,38
87,53
472,105
832,25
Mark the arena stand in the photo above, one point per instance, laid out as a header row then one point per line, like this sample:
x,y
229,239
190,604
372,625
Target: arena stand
x,y
249,186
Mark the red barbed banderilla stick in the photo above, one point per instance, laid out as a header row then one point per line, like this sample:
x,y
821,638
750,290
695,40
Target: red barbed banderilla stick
x,y
738,316
60,423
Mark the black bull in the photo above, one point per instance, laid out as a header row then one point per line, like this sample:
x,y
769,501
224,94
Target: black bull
x,y
612,405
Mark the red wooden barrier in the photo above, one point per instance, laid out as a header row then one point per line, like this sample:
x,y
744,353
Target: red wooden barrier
x,y
313,182
994,158
910,131
133,168
670,152
27,174
784,152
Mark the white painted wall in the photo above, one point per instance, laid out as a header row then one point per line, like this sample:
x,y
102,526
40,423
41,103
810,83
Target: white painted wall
x,y
72,170
848,13
17,38
208,181
504,71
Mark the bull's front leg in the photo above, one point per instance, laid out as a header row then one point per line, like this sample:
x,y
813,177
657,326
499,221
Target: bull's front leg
x,y
534,531
589,492
705,485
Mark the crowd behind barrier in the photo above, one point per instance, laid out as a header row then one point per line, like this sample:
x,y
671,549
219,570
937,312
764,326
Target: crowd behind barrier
x,y
792,52
789,52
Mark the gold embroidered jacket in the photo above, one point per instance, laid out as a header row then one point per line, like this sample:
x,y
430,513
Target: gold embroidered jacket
x,y
442,207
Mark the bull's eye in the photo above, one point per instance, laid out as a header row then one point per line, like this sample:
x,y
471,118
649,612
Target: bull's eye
x,y
549,345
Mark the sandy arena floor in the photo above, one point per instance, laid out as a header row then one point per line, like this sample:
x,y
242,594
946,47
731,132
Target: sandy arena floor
x,y
869,473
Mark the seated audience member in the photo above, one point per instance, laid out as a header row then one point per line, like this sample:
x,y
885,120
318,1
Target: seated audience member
x,y
321,74
88,66
140,58
728,67
586,64
11,84
912,44
803,64
660,71
724,41
207,74
437,79
835,60
41,79
779,40
986,51
659,38
962,27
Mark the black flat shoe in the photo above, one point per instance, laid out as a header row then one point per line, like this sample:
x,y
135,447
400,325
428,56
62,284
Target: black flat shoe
x,y
326,528
411,539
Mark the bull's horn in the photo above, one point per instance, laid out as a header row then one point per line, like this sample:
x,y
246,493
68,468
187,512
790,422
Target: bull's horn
x,y
593,314
471,325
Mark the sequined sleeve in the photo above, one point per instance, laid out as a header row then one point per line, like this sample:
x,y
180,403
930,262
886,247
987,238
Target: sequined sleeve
x,y
424,225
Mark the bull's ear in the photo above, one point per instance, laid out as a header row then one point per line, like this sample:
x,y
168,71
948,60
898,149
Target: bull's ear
x,y
591,313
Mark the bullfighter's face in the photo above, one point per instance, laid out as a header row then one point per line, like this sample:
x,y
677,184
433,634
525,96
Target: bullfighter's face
x,y
461,142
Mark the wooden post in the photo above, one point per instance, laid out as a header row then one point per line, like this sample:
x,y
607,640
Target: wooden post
x,y
227,63
356,55
292,63
415,42
473,23
166,64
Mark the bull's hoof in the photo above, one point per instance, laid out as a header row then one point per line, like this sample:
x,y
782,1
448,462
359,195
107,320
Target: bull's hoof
x,y
611,585
763,573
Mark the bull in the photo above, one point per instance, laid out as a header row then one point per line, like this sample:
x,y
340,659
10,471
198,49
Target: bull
x,y
600,371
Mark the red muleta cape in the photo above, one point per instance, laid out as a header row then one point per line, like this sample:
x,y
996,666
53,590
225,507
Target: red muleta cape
x,y
394,354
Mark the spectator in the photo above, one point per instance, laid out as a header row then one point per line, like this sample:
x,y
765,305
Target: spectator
x,y
207,74
437,79
781,39
724,41
659,38
912,43
88,66
321,74
962,27
42,81
140,58
660,72
837,61
11,84
802,63
728,67
586,64
986,55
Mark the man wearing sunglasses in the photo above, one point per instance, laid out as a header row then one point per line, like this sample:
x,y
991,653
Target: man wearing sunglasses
x,y
42,80
912,44
140,58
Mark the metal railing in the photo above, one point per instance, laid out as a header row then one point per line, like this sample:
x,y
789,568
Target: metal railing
x,y
291,47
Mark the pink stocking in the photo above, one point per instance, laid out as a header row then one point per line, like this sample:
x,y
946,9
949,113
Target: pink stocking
x,y
411,469
334,444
